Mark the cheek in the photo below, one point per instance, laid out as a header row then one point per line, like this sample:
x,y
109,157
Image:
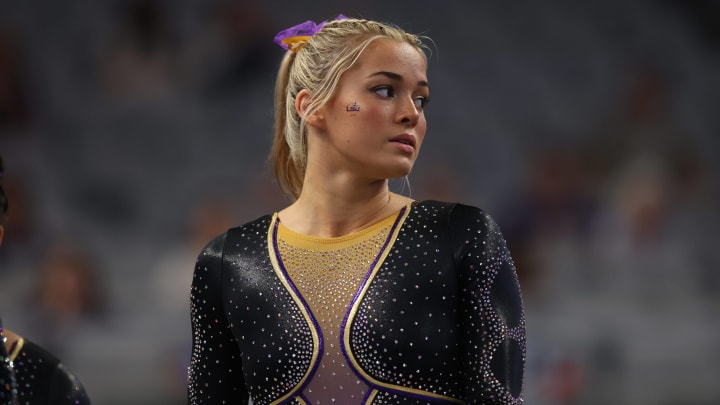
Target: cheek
x,y
370,118
372,111
421,129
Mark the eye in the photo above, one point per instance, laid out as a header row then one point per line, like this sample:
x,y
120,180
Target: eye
x,y
421,102
383,91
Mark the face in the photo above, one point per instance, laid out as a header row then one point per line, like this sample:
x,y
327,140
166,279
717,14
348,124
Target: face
x,y
374,124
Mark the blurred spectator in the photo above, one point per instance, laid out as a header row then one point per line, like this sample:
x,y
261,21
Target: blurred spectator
x,y
548,221
231,49
562,382
648,174
213,213
704,16
14,94
644,125
68,294
172,274
36,377
169,293
141,63
19,240
440,179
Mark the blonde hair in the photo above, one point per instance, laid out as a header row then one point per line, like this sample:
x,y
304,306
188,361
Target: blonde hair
x,y
317,68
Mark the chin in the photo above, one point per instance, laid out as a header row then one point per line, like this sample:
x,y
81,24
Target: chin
x,y
401,172
396,170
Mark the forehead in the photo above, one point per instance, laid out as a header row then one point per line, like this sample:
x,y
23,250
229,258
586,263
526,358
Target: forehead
x,y
386,54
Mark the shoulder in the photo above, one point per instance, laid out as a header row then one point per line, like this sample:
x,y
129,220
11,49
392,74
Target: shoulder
x,y
46,376
32,351
251,234
214,249
256,226
456,214
465,225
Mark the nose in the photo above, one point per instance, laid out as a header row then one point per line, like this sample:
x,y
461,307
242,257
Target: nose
x,y
408,114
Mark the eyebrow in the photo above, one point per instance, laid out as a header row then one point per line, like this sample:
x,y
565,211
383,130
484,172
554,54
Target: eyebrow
x,y
396,76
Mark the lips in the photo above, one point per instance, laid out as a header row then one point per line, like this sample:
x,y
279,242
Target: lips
x,y
405,139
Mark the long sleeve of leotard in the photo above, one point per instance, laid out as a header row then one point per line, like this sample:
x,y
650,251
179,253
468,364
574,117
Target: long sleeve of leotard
x,y
492,317
215,375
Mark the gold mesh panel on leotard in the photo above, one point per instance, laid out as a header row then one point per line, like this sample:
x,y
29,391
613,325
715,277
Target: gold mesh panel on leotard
x,y
328,273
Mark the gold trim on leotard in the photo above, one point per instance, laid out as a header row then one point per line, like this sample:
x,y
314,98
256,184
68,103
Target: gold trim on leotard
x,y
274,258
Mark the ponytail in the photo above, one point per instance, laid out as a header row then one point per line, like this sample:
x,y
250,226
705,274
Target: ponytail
x,y
289,170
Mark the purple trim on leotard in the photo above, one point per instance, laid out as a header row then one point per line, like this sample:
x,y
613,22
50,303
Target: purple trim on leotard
x,y
313,367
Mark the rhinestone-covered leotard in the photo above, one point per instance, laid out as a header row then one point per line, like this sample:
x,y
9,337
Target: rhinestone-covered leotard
x,y
42,379
424,307
8,387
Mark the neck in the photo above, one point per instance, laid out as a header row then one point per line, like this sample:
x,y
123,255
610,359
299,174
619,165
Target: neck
x,y
337,208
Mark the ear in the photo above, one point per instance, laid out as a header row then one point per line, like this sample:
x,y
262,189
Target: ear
x,y
302,100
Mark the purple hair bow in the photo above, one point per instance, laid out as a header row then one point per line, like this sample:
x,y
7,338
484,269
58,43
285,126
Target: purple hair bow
x,y
295,37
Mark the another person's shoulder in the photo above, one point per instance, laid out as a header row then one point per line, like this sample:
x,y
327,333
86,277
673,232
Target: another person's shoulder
x,y
45,374
35,358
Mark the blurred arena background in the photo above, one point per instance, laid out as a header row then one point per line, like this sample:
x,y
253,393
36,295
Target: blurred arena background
x,y
133,131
